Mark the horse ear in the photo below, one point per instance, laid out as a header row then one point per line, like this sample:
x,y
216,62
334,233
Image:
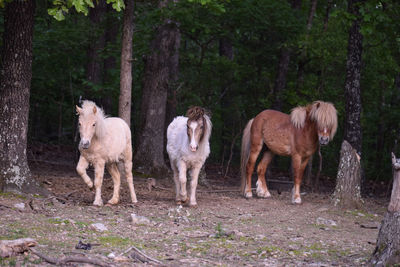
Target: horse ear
x,y
78,110
94,110
318,104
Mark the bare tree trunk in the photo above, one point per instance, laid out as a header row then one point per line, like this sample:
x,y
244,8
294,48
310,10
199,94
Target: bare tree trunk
x,y
347,192
280,82
352,127
157,80
125,95
94,65
15,85
283,68
110,62
387,250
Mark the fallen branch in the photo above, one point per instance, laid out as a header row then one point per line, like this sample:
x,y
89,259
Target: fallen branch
x,y
64,260
9,248
138,255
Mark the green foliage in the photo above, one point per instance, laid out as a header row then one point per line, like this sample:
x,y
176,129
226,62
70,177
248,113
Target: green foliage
x,y
233,89
61,7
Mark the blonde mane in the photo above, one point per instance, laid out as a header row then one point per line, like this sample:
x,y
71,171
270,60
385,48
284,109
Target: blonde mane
x,y
323,113
89,108
298,116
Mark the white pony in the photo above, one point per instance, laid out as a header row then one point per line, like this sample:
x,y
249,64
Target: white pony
x,y
104,142
188,148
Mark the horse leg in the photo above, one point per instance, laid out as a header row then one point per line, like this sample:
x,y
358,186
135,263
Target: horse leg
x,y
193,185
129,179
81,169
182,180
177,184
98,181
299,165
254,151
112,168
262,189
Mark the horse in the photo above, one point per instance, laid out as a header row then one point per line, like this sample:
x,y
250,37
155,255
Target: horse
x,y
188,148
296,135
103,143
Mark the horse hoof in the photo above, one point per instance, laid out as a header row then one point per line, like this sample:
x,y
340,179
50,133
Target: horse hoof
x,y
248,195
296,201
265,194
194,206
113,201
178,202
98,203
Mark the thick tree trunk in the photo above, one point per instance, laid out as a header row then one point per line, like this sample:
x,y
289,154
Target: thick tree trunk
x,y
347,192
352,127
94,67
158,75
15,84
387,250
125,95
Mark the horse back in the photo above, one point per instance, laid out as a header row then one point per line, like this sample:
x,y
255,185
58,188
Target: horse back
x,y
275,130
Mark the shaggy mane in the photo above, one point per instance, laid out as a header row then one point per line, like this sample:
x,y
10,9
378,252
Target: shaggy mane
x,y
298,116
195,112
325,115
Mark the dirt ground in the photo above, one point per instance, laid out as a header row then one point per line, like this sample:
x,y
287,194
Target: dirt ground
x,y
224,230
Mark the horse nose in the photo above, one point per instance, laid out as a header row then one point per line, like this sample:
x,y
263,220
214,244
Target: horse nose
x,y
323,140
193,148
85,144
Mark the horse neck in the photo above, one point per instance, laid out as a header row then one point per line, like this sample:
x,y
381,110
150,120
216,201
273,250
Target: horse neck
x,y
310,131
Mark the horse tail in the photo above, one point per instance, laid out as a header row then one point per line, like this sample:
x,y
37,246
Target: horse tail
x,y
244,154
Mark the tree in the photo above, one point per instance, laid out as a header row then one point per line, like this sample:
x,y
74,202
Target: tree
x,y
387,248
347,192
156,81
15,83
125,95
283,68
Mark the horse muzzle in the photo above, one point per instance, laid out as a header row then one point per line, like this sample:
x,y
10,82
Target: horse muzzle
x,y
194,148
323,141
84,144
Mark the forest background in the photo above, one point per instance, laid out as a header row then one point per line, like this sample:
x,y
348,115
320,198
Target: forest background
x,y
236,58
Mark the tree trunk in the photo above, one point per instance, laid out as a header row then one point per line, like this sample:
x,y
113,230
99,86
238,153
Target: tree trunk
x,y
94,67
280,82
347,192
15,84
110,62
156,83
283,68
125,95
387,250
352,127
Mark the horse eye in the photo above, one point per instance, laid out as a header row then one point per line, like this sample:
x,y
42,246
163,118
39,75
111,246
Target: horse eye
x,y
79,124
94,124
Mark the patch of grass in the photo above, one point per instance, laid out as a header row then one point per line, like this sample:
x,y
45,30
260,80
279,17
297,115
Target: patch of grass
x,y
115,241
362,212
268,249
58,221
14,233
12,195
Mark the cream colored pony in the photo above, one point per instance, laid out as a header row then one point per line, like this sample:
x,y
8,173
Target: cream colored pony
x,y
104,142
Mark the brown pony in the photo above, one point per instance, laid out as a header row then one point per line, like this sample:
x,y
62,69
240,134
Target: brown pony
x,y
296,135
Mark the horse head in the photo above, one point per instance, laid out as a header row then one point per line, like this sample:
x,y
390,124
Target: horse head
x,y
325,116
322,114
196,126
88,119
